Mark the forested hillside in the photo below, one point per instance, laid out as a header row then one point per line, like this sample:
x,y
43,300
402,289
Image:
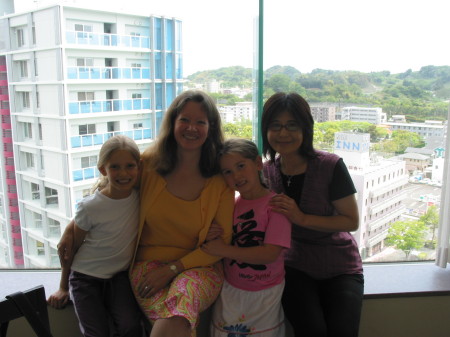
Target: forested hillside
x,y
420,95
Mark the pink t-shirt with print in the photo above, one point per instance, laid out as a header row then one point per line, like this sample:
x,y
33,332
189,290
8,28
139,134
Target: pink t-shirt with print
x,y
254,223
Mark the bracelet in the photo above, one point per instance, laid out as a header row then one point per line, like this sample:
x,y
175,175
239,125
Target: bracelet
x,y
174,269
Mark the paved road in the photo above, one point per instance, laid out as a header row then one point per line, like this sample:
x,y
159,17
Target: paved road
x,y
420,196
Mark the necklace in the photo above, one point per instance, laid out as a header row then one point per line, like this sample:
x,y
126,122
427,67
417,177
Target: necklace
x,y
289,179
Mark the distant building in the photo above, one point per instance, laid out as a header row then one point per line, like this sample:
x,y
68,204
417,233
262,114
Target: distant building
x,y
415,161
359,114
398,119
380,187
213,86
236,113
323,113
425,130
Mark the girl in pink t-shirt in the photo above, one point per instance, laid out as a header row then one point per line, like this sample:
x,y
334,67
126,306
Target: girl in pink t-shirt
x,y
250,300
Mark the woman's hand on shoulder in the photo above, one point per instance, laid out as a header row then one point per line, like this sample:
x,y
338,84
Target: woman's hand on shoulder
x,y
287,206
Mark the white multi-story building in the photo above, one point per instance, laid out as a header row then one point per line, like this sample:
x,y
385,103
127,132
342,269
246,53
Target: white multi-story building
x,y
235,113
380,190
360,114
425,130
70,78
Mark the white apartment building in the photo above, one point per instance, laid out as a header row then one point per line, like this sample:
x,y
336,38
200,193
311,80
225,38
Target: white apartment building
x,y
380,190
360,114
425,130
236,113
70,78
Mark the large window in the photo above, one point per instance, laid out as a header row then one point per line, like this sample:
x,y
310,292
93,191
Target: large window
x,y
339,55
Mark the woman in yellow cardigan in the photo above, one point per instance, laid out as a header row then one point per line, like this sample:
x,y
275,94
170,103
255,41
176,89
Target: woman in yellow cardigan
x,y
182,194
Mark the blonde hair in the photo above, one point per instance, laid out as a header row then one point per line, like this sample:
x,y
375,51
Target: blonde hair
x,y
118,142
162,154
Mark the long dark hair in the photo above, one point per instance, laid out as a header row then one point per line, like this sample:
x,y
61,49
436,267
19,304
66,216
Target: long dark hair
x,y
300,110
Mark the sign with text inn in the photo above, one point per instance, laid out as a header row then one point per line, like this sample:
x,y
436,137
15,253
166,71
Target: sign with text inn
x,y
352,142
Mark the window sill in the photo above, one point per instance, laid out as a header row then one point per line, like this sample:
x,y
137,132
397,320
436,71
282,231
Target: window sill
x,y
389,280
382,280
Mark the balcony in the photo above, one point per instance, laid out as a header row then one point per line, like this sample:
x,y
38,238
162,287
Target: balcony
x,y
85,174
107,73
371,226
385,204
389,187
107,40
100,138
109,105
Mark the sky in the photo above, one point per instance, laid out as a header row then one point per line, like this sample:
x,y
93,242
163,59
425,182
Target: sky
x,y
361,35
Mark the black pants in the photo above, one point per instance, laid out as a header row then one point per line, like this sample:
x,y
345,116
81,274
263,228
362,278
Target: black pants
x,y
97,301
325,308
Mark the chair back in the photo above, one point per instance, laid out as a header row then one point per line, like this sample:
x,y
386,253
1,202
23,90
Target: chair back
x,y
32,305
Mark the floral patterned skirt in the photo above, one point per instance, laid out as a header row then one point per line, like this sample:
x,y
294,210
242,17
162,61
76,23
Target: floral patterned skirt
x,y
240,313
191,292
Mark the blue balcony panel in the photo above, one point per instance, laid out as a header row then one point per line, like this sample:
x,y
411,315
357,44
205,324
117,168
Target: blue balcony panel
x,y
77,175
88,173
73,108
75,141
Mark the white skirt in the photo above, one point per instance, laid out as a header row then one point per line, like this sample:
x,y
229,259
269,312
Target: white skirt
x,y
248,313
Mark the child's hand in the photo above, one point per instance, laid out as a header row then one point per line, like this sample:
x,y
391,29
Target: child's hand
x,y
215,231
215,247
59,299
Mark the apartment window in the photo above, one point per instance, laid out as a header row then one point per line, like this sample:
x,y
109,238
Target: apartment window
x,y
113,126
40,249
136,65
86,192
86,129
83,28
36,73
26,103
86,96
136,96
138,125
40,131
28,130
85,62
35,194
29,160
90,161
23,65
38,102
33,34
51,196
20,37
54,228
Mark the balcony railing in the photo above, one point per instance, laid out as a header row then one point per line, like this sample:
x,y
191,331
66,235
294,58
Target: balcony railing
x,y
107,40
109,105
107,73
85,173
100,138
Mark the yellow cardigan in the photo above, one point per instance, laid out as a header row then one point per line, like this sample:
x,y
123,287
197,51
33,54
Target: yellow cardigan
x,y
217,204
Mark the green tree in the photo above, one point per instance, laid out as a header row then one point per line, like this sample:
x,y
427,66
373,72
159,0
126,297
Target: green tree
x,y
278,82
431,220
406,235
399,141
241,129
